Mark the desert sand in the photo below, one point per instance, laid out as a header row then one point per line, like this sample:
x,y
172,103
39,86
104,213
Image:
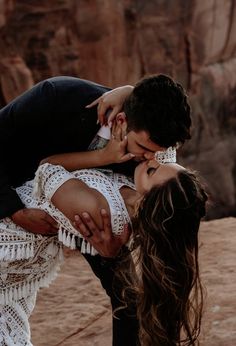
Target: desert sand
x,y
75,311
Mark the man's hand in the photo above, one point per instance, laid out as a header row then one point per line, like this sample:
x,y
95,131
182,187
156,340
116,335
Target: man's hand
x,y
111,101
35,221
103,240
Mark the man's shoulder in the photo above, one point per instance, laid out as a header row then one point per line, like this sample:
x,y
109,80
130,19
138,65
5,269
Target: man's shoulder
x,y
70,82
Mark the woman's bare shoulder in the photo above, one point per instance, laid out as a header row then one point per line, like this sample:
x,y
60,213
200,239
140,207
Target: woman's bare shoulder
x,y
75,197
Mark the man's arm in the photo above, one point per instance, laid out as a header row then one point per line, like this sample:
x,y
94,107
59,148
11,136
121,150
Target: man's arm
x,y
18,124
24,118
35,221
9,200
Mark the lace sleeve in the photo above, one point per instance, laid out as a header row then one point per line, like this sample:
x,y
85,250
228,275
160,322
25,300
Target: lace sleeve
x,y
48,178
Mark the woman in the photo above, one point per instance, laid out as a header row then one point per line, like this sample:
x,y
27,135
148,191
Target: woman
x,y
164,206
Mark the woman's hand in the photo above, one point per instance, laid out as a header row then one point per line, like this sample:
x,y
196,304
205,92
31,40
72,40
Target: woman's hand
x,y
116,149
103,240
112,102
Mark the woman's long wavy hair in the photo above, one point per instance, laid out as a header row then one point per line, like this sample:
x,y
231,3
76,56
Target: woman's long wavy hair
x,y
166,279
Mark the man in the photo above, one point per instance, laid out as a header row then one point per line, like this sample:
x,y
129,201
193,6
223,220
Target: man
x,y
51,118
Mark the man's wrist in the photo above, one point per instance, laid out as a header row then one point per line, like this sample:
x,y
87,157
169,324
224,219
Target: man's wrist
x,y
109,261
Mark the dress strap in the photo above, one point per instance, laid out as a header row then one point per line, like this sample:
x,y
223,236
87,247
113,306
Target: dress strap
x,y
123,180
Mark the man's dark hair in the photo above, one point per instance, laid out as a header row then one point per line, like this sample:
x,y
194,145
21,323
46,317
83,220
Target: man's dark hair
x,y
159,106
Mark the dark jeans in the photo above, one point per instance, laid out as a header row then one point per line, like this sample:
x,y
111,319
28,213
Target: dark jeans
x,y
125,324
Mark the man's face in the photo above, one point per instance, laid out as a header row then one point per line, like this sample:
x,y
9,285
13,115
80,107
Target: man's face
x,y
138,142
141,146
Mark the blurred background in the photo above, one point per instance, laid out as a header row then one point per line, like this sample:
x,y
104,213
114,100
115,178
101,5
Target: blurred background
x,y
116,42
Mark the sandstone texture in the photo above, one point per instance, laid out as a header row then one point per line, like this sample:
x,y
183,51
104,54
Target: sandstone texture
x,y
118,42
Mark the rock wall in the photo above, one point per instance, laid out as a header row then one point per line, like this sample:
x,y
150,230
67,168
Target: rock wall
x,y
117,42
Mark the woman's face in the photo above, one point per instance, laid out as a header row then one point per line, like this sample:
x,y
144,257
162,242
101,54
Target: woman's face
x,y
150,173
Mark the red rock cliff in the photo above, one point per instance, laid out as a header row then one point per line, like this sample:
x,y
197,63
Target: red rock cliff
x,y
117,42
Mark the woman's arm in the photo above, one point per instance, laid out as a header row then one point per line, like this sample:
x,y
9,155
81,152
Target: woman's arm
x,y
74,197
114,152
79,160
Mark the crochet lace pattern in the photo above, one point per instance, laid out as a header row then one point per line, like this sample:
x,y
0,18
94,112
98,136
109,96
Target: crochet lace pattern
x,y
167,156
14,324
49,178
27,263
31,261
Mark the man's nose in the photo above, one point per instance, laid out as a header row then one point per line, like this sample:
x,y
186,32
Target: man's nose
x,y
148,156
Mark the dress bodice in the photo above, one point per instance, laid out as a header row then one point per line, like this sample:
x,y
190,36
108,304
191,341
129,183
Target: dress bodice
x,y
30,261
50,177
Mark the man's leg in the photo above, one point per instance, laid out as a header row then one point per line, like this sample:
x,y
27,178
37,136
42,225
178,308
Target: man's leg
x,y
125,324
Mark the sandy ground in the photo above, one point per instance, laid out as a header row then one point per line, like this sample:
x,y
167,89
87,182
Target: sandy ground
x,y
74,310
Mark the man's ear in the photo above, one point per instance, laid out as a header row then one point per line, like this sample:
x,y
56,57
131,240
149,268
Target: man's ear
x,y
121,120
121,117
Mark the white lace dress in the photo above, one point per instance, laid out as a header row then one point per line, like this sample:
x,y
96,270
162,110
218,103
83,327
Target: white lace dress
x,y
28,261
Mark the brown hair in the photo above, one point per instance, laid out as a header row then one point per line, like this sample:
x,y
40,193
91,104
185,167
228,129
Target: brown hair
x,y
160,106
166,280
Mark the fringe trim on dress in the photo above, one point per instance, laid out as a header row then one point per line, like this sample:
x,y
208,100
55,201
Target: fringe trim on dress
x,y
24,289
72,241
16,251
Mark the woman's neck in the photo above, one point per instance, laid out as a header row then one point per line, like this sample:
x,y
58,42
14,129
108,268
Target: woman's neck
x,y
130,198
